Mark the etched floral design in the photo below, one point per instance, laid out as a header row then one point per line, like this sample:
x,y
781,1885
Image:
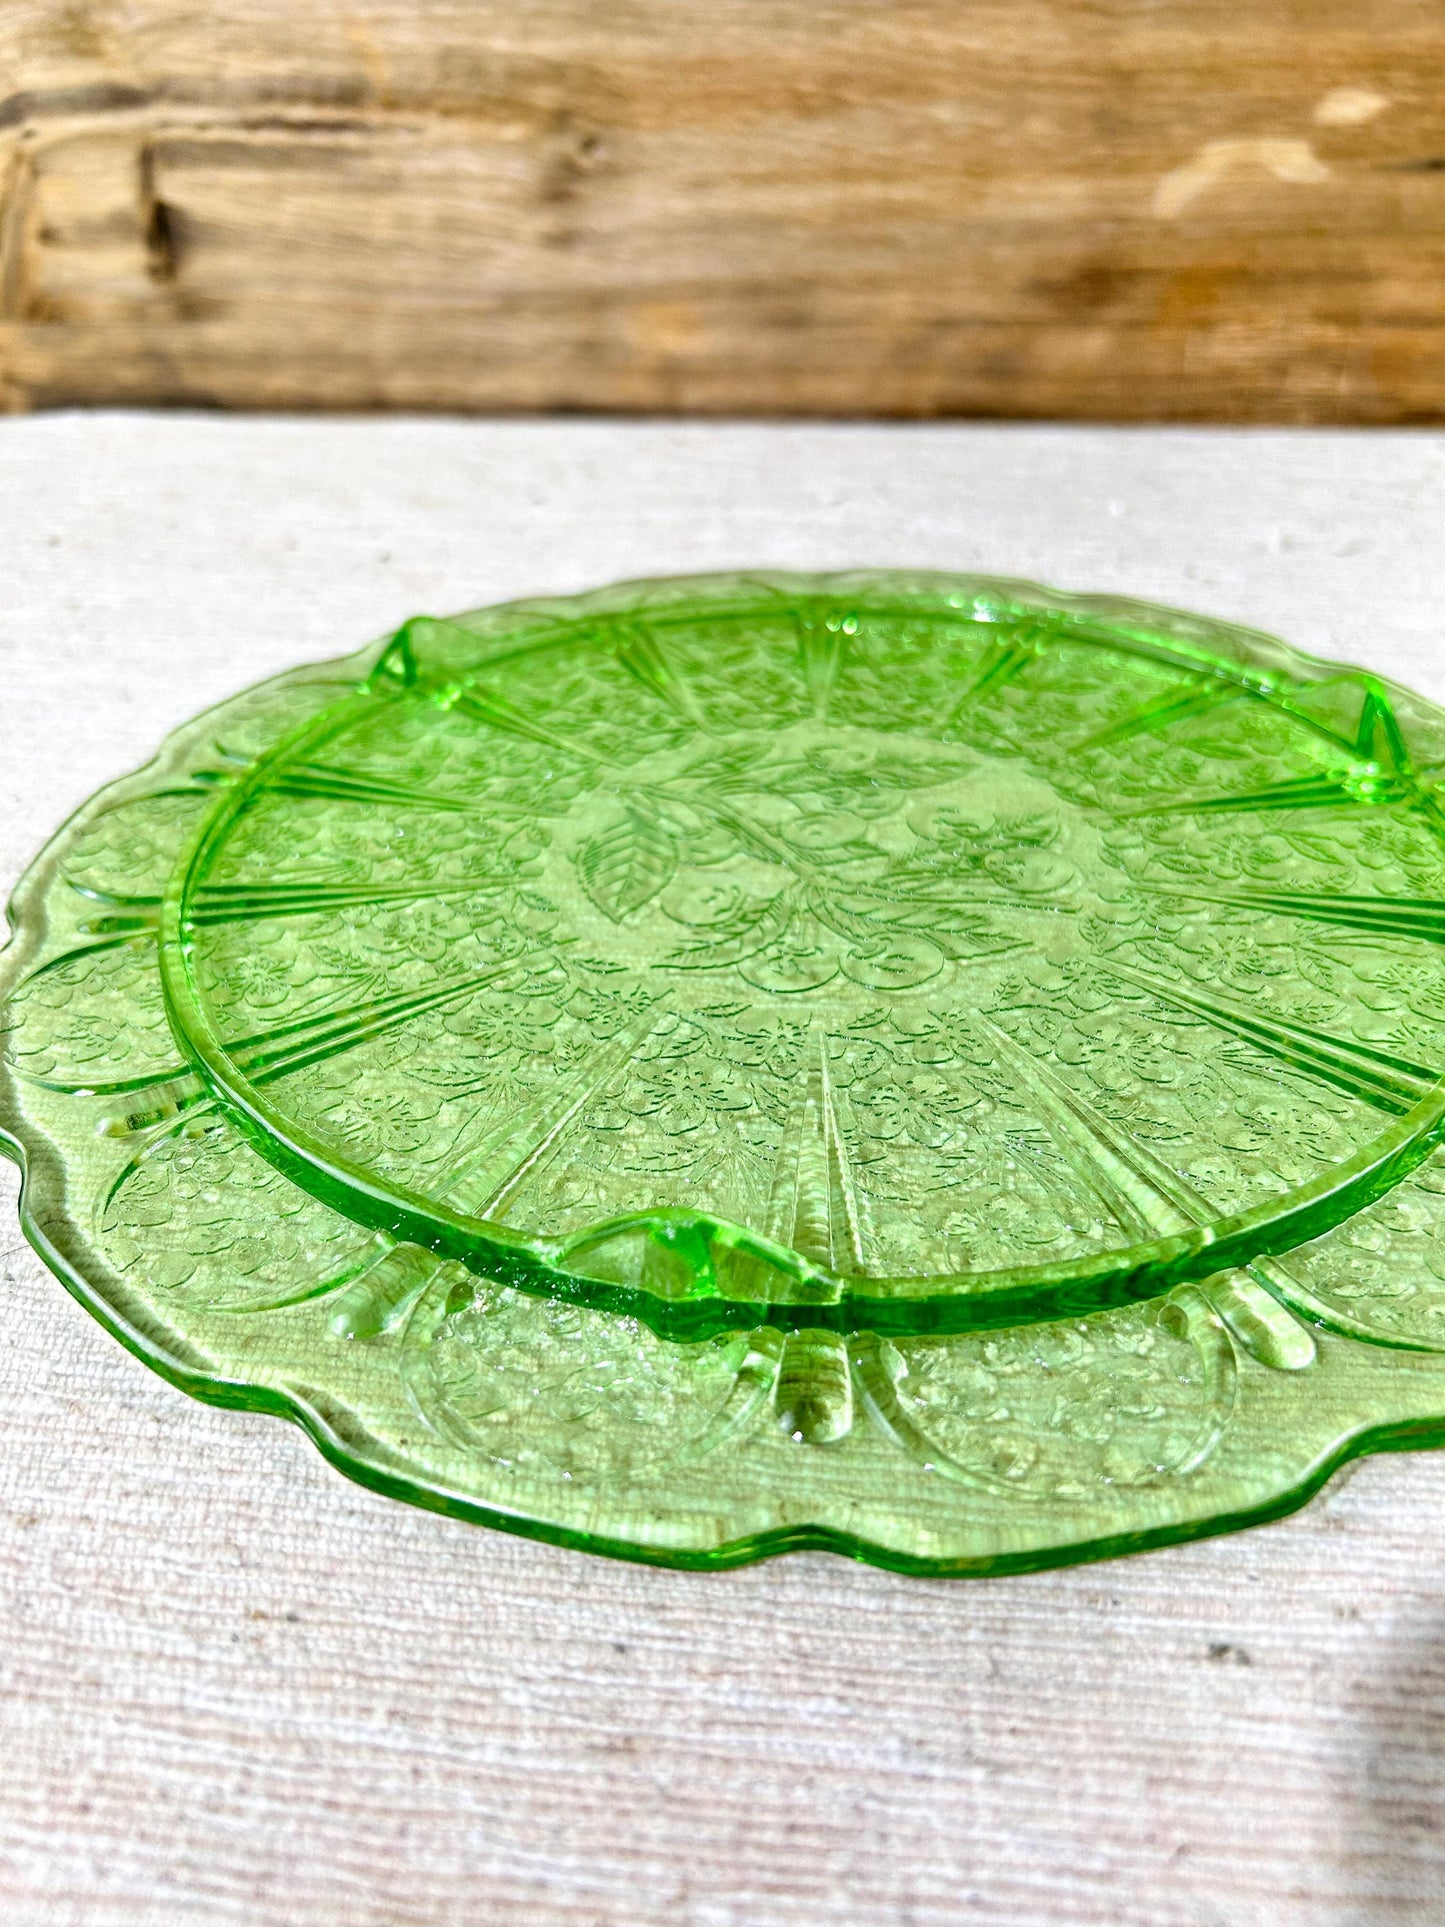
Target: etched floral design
x,y
755,997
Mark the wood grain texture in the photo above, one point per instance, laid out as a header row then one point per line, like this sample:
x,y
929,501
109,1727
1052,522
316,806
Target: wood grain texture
x,y
1196,209
236,1689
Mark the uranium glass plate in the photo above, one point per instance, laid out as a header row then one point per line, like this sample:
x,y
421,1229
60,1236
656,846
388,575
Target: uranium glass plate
x,y
920,1065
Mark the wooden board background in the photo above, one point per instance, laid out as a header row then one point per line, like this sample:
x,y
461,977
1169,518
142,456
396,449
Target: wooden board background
x,y
236,1689
1226,210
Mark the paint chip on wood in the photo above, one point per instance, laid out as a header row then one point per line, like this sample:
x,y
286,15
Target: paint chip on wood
x,y
1291,160
1349,107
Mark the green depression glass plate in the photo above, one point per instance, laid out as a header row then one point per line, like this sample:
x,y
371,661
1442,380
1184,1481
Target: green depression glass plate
x,y
920,1065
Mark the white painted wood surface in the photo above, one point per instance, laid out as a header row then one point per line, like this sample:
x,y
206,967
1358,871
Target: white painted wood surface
x,y
234,1688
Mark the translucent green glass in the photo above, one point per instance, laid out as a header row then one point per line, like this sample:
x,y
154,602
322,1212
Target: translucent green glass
x,y
921,1065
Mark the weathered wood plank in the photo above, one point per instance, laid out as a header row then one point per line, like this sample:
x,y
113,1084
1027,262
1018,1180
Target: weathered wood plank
x,y
1096,208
